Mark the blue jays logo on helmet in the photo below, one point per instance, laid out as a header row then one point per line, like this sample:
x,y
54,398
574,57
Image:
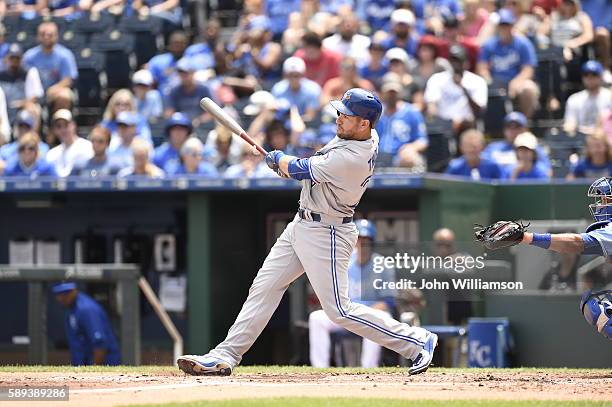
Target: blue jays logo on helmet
x,y
601,190
597,310
359,102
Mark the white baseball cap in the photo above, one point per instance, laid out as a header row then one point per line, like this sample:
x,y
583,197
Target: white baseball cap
x,y
397,53
142,77
259,101
294,64
402,16
527,140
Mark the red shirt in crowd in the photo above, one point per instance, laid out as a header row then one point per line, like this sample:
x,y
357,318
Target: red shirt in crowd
x,y
320,70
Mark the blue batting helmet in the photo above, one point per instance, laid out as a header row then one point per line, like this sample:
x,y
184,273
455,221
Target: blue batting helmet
x,y
366,228
597,310
601,190
359,102
179,119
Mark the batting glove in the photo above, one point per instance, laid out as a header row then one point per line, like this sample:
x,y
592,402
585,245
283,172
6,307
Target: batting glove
x,y
272,159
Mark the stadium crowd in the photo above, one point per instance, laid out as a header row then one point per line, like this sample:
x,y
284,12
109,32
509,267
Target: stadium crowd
x,y
507,89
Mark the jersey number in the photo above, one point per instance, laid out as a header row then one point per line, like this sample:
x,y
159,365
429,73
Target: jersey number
x,y
371,164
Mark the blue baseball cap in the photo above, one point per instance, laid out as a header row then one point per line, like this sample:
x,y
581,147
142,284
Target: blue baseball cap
x,y
179,119
260,23
506,16
366,228
127,118
64,287
25,117
516,117
592,67
359,102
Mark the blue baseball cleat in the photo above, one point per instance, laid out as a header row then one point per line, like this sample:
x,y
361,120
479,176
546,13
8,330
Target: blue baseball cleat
x,y
423,360
203,365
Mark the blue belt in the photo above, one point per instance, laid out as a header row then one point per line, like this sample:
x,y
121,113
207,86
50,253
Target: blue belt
x,y
304,214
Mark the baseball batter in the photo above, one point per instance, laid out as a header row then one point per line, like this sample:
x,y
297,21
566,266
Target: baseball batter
x,y
319,241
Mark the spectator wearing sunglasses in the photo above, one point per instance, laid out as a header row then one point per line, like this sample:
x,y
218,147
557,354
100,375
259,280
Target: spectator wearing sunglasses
x,y
192,163
29,164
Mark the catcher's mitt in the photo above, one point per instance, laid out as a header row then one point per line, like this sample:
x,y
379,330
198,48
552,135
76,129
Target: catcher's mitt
x,y
500,234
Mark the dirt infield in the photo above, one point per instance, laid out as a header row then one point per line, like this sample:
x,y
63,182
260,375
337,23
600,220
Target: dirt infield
x,y
169,385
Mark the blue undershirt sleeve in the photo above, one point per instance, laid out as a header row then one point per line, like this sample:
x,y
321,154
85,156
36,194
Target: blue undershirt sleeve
x,y
299,169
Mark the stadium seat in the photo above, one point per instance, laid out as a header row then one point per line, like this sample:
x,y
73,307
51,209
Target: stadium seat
x,y
147,36
74,41
158,133
442,145
24,38
117,48
549,75
498,105
561,147
89,85
91,24
11,23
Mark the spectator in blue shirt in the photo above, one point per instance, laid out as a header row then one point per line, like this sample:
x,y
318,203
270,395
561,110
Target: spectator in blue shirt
x,y
178,130
120,151
99,165
203,53
169,10
402,25
502,151
278,11
600,13
527,166
297,90
471,163
401,129
162,66
28,162
259,56
377,66
192,163
68,9
24,123
149,104
597,161
185,96
430,13
56,66
90,335
508,61
376,13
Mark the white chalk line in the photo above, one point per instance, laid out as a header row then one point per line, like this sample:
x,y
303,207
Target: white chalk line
x,y
242,384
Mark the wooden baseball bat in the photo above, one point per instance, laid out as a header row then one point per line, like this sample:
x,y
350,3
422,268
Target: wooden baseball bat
x,y
226,120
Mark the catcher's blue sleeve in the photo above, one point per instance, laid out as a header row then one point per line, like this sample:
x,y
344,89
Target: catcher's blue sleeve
x,y
603,237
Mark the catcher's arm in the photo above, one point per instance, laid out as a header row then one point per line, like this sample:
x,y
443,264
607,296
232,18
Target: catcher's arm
x,y
503,234
559,242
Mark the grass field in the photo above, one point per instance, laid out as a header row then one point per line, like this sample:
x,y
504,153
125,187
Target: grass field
x,y
300,386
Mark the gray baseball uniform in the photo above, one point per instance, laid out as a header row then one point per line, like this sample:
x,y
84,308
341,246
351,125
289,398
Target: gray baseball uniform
x,y
337,178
